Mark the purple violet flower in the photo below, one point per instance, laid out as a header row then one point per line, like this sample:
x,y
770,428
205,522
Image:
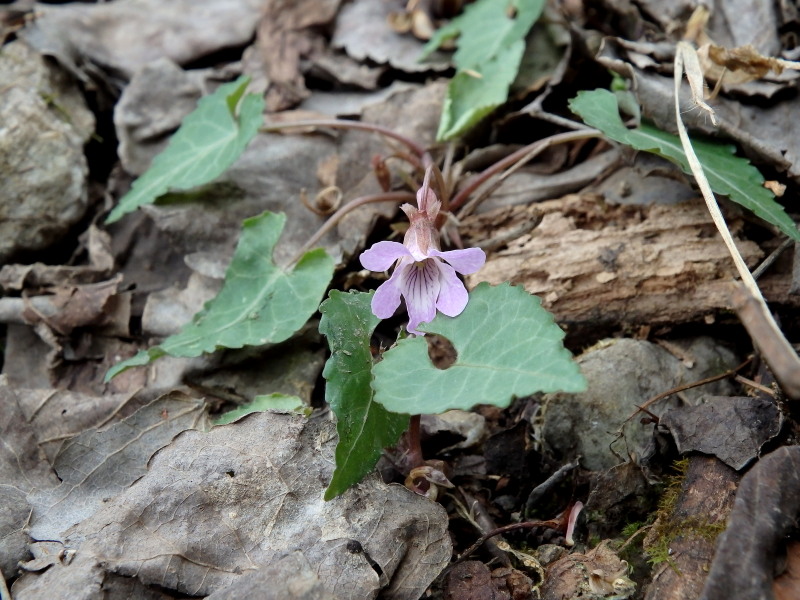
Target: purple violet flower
x,y
424,275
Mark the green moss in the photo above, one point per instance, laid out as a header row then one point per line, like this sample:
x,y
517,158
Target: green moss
x,y
667,528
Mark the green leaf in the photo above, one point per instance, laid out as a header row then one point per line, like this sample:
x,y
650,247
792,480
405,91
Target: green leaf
x,y
269,402
208,141
365,428
474,94
491,42
507,346
259,303
727,174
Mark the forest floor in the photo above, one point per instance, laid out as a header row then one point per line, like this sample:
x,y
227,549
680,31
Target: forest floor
x,y
675,475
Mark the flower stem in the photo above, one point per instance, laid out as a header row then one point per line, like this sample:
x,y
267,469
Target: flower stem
x,y
524,154
414,456
396,197
418,150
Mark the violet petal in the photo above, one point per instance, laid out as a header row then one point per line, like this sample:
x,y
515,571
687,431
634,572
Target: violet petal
x,y
466,261
387,296
453,295
420,287
382,255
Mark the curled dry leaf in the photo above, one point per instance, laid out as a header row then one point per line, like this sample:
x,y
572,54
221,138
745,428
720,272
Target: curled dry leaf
x,y
732,429
124,36
363,30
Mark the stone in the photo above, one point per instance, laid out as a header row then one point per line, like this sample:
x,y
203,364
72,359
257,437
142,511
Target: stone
x,y
44,123
622,375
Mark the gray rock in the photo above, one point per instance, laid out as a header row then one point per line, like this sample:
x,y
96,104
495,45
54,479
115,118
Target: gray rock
x,y
622,375
44,124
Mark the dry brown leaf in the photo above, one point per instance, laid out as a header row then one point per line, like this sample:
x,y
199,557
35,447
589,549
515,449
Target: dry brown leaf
x,y
765,511
97,465
216,506
22,470
123,36
732,429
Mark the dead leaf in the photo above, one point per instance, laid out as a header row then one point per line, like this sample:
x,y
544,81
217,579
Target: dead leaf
x,y
216,506
39,275
124,36
58,415
732,429
766,509
22,470
97,465
76,306
363,30
290,578
284,37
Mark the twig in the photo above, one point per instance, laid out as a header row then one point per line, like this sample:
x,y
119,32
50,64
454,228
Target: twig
x,y
526,153
538,113
483,522
552,523
767,262
684,387
753,311
755,385
774,347
418,150
396,197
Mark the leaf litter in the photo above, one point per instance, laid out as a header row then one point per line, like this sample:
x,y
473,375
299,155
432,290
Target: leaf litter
x,y
119,489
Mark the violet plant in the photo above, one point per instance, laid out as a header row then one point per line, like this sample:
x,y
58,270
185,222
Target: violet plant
x,y
507,345
424,275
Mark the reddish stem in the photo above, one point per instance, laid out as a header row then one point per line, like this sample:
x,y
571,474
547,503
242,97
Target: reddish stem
x,y
526,153
414,456
396,197
418,150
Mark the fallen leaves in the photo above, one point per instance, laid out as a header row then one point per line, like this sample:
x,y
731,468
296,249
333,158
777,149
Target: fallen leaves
x,y
214,507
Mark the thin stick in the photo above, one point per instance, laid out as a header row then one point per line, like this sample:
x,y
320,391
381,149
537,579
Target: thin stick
x,y
523,154
767,262
396,197
421,153
552,523
686,386
782,358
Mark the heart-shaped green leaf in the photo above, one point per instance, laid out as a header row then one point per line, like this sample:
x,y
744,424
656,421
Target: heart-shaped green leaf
x,y
208,141
507,346
259,303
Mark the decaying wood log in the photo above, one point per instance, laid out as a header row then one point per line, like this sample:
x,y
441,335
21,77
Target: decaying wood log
x,y
591,262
